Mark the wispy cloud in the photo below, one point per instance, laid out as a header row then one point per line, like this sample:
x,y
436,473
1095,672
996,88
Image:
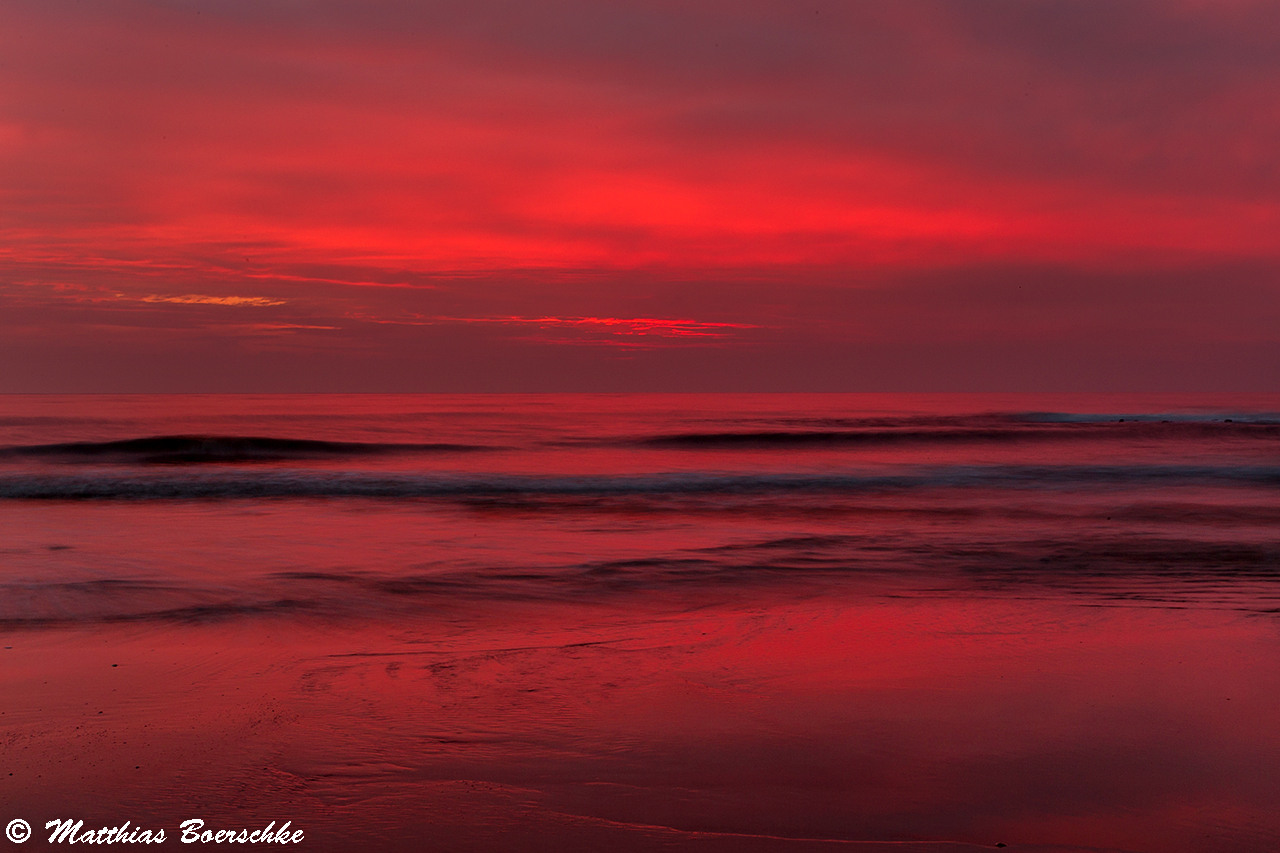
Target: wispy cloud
x,y
201,299
277,328
655,326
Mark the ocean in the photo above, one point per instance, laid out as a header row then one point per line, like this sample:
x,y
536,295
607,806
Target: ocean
x,y
774,622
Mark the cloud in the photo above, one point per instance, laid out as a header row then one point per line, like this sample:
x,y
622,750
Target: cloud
x,y
568,133
483,179
642,326
198,299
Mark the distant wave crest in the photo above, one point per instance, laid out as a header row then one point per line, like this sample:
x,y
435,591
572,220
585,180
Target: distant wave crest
x,y
1028,427
177,449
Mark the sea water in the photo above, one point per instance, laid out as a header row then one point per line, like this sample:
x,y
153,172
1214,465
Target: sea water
x,y
646,622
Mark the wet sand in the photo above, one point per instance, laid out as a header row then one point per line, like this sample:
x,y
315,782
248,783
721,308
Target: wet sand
x,y
774,720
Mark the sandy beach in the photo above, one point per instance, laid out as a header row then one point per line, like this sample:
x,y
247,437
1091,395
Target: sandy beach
x,y
781,721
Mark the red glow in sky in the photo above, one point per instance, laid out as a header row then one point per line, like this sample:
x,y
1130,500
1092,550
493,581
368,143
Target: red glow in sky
x,y
639,195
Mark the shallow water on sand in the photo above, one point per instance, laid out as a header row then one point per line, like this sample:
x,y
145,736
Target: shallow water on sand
x,y
646,623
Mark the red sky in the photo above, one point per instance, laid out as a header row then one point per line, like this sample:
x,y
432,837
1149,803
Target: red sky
x,y
278,195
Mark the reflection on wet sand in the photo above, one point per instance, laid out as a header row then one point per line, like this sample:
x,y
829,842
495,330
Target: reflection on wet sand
x,y
772,721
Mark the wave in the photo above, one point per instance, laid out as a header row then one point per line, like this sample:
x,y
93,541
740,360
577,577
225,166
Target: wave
x,y
797,433
178,449
1027,428
1109,570
352,484
812,438
1202,418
